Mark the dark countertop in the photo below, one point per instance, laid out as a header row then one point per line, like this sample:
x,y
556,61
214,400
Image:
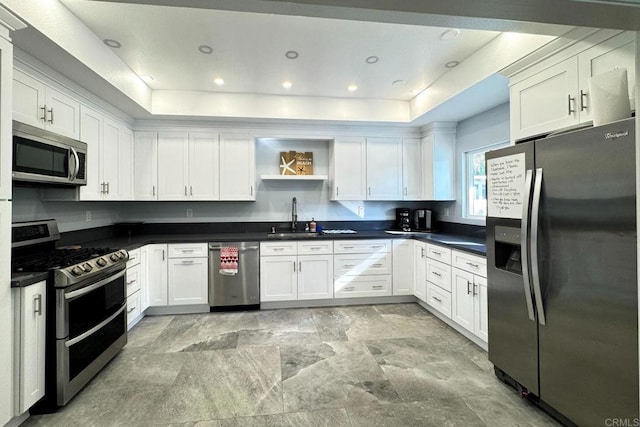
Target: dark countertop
x,y
21,280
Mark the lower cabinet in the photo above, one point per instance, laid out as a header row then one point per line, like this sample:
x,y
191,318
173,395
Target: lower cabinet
x,y
29,344
155,270
403,268
420,270
438,272
134,288
363,268
469,303
188,281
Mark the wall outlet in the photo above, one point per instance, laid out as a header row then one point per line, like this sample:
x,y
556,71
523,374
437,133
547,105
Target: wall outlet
x,y
189,213
361,211
446,211
87,216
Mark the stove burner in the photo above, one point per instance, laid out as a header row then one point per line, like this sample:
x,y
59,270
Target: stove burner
x,y
56,259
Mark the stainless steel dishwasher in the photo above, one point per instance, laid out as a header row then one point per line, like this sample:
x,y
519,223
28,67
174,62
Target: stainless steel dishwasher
x,y
240,290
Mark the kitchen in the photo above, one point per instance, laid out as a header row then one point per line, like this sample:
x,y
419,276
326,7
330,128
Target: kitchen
x,y
273,198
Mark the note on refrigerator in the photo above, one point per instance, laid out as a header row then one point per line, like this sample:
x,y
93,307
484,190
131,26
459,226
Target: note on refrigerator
x,y
505,186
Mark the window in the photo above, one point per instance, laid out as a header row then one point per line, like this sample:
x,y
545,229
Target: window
x,y
476,181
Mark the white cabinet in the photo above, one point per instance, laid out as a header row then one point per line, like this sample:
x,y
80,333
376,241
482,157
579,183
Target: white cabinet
x,y
420,267
37,104
187,166
134,288
292,270
156,273
362,268
237,167
384,169
403,267
469,294
438,276
29,344
6,84
348,170
188,274
558,96
412,169
438,160
145,160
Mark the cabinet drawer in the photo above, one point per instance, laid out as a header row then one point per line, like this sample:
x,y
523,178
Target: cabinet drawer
x,y
361,246
133,307
362,286
439,274
133,279
439,253
278,248
439,299
188,250
362,264
134,258
324,247
471,263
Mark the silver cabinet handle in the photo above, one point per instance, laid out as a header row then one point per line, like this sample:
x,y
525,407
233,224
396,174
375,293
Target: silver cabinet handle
x,y
437,299
583,98
435,273
470,264
163,254
570,99
377,287
50,115
278,249
406,192
131,282
376,265
376,246
252,190
348,247
436,253
153,190
44,113
185,190
191,190
348,265
369,190
535,272
337,190
131,310
524,239
422,249
37,304
108,187
468,287
102,188
300,266
187,261
186,251
474,290
348,288
294,266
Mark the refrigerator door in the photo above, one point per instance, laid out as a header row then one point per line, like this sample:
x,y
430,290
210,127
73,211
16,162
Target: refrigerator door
x,y
587,268
513,342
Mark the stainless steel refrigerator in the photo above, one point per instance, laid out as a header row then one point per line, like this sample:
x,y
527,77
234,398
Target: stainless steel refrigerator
x,y
562,282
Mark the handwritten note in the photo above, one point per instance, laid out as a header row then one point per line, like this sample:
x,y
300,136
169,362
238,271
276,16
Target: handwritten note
x,y
505,186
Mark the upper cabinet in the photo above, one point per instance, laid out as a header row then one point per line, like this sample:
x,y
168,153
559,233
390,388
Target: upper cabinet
x,y
37,104
384,169
348,169
438,161
145,171
411,169
237,167
558,96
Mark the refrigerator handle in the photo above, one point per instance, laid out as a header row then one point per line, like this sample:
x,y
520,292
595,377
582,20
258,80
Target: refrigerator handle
x,y
535,271
524,237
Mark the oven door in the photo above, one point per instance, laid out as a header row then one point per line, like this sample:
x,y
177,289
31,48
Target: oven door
x,y
91,329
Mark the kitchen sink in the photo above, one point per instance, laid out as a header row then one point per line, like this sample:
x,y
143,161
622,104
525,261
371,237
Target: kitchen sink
x,y
291,235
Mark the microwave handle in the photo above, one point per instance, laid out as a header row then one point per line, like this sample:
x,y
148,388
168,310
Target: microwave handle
x,y
77,163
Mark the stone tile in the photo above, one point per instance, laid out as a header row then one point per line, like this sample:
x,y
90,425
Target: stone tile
x,y
435,412
503,411
324,418
332,375
331,324
411,309
223,384
147,330
281,327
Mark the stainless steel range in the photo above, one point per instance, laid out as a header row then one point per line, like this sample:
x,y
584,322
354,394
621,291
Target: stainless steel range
x,y
86,318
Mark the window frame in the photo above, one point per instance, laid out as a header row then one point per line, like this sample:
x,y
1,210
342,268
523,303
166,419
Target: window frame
x,y
467,177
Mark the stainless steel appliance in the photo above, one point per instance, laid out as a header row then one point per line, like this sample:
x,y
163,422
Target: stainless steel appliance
x,y
40,156
86,297
562,281
422,219
403,221
240,290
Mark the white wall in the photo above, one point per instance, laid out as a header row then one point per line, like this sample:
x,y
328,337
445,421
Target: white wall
x,y
487,128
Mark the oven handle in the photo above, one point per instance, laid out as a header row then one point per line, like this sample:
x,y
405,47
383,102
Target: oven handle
x,y
90,288
95,329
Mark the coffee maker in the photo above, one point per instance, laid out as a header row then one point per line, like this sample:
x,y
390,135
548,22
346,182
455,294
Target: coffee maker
x,y
403,219
423,219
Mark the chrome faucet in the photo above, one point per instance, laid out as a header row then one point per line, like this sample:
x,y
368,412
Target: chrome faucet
x,y
294,214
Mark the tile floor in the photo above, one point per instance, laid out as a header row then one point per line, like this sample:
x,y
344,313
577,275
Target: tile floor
x,y
384,365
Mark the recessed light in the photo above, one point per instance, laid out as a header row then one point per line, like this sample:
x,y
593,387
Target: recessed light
x,y
452,64
207,50
287,84
112,43
372,59
291,54
352,88
146,77
450,34
399,82
219,81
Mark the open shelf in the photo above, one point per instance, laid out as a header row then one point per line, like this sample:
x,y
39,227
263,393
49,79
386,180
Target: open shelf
x,y
294,177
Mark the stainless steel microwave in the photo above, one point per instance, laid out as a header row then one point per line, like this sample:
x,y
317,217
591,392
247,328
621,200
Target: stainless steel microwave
x,y
43,157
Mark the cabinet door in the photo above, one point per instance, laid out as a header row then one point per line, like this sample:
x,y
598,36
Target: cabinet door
x,y
28,99
188,281
91,123
617,52
403,270
32,344
172,165
144,278
156,274
348,169
125,171
462,311
145,166
546,101
438,159
6,184
278,278
384,169
420,267
411,169
237,167
63,113
204,169
109,159
315,277
480,310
